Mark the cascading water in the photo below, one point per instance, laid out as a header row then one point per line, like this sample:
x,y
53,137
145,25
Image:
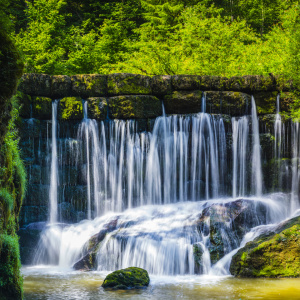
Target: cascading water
x,y
257,179
148,185
53,195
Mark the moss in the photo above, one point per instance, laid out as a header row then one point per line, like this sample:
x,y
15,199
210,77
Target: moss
x,y
127,279
128,84
97,108
70,108
266,102
91,85
10,277
42,108
276,254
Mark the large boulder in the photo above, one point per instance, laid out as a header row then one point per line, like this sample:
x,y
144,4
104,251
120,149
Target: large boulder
x,y
61,86
97,108
130,278
275,253
88,260
36,84
226,224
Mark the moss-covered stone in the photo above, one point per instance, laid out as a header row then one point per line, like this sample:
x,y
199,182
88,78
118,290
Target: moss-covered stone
x,y
128,84
89,85
273,254
265,102
284,85
97,108
42,108
232,103
35,84
287,99
61,86
186,82
183,102
25,105
161,85
134,107
70,108
130,278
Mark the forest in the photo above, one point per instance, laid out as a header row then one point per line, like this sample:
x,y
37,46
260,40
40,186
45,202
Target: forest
x,y
151,37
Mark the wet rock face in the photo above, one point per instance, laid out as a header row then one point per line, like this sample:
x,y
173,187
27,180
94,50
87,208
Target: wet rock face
x,y
88,260
226,224
29,238
130,278
275,253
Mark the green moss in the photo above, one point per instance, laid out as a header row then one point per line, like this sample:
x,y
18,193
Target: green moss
x,y
273,255
42,108
70,108
127,279
10,277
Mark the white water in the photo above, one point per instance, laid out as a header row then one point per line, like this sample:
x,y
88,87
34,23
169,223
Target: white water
x,y
257,179
158,238
54,167
158,178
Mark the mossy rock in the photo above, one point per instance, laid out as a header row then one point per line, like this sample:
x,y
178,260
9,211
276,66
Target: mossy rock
x,y
284,85
273,254
183,102
266,102
161,85
25,105
61,86
36,84
130,278
42,108
186,82
89,85
232,103
134,107
128,84
70,108
287,99
97,108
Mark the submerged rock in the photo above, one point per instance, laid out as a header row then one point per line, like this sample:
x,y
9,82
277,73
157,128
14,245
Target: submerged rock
x,y
130,278
275,253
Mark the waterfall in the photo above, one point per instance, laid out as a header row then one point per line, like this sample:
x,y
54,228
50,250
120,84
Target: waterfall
x,y
257,179
279,133
295,166
240,131
53,195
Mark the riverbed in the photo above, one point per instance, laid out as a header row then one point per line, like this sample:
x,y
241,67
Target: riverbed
x,y
52,283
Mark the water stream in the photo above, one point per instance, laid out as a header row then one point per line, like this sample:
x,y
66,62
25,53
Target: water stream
x,y
167,196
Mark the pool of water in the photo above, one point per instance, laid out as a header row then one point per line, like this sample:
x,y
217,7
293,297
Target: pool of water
x,y
51,283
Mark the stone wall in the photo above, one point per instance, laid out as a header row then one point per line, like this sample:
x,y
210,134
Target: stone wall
x,y
124,96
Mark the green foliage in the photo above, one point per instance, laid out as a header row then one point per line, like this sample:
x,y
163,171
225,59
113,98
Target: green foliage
x,y
10,278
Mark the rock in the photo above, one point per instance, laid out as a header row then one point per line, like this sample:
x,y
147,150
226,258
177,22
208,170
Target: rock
x,y
37,195
265,102
183,102
25,105
232,103
286,101
134,107
161,85
128,84
227,223
130,278
186,82
61,86
70,108
198,253
275,253
89,85
97,108
29,238
88,260
36,84
42,108
67,212
31,214
284,85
